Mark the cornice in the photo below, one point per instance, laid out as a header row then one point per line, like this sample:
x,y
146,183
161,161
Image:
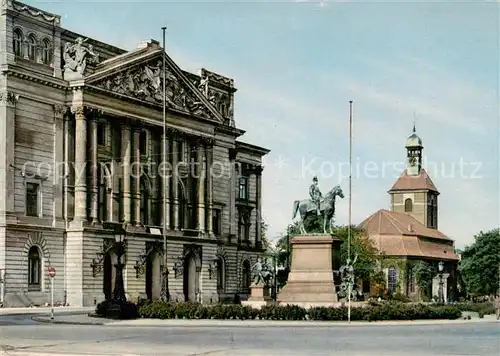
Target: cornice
x,y
229,130
247,147
33,77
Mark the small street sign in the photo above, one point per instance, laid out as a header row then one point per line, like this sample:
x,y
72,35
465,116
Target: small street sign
x,y
52,272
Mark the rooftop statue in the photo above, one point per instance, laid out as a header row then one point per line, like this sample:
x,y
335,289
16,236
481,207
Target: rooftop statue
x,y
76,56
318,205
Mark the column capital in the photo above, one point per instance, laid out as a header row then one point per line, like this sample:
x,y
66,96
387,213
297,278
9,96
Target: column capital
x,y
8,98
85,111
60,111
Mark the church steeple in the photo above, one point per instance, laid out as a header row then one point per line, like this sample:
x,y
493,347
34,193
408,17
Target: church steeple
x,y
414,192
414,153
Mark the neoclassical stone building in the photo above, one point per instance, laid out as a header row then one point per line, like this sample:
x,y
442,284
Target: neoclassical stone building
x,y
408,232
81,151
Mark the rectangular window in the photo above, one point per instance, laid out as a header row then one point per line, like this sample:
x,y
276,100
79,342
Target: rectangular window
x,y
243,188
143,143
101,134
102,203
216,221
32,208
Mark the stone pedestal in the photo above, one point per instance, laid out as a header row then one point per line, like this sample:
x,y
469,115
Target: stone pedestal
x,y
259,296
310,282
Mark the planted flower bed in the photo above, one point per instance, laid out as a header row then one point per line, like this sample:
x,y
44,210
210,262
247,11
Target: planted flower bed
x,y
371,312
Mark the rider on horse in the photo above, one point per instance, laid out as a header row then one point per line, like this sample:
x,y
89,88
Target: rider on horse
x,y
315,193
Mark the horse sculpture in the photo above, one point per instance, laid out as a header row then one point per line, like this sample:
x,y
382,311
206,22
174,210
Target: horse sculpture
x,y
327,209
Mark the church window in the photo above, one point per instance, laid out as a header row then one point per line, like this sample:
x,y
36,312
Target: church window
x,y
408,205
392,279
34,269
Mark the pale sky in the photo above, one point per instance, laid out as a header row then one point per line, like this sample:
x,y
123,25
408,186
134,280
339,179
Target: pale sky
x,y
297,64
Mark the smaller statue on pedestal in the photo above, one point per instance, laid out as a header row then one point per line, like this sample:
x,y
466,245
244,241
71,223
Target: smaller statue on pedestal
x,y
261,272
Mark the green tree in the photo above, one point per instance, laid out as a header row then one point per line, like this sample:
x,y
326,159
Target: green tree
x,y
263,234
423,275
480,264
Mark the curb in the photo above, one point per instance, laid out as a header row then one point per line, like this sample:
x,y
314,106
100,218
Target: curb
x,y
46,320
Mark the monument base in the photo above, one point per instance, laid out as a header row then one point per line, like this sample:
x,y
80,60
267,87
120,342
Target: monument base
x,y
259,296
310,281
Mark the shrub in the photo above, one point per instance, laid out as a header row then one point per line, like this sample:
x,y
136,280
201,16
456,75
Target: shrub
x,y
116,310
483,308
374,311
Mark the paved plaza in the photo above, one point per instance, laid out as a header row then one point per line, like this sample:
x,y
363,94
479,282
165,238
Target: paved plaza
x,y
20,335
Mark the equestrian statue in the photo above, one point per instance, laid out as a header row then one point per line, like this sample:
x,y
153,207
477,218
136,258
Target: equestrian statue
x,y
317,205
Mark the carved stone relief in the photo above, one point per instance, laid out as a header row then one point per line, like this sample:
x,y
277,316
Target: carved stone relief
x,y
7,97
146,83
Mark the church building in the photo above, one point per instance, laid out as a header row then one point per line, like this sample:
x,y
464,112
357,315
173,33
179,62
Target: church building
x,y
83,155
408,232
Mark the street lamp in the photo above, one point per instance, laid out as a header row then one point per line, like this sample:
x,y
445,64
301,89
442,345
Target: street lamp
x,y
441,291
119,289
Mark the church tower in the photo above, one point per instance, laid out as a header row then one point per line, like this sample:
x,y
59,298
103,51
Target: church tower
x,y
414,192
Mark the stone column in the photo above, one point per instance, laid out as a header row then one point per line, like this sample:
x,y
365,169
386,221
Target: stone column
x,y
232,192
136,165
209,187
175,182
125,163
165,175
80,164
201,186
59,160
258,198
94,184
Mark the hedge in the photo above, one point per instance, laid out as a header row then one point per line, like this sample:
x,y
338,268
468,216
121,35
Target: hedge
x,y
484,308
371,312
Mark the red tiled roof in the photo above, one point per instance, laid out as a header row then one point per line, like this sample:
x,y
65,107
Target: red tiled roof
x,y
419,182
400,234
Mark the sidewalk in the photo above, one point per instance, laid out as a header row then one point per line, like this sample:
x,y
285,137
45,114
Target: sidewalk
x,y
46,310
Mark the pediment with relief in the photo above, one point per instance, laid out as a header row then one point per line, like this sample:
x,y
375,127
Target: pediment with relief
x,y
144,82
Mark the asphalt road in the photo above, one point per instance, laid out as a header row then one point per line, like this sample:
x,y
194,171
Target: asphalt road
x,y
476,339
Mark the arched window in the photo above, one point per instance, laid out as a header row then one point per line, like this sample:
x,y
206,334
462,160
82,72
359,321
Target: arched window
x,y
221,275
392,279
34,269
246,277
408,206
32,47
46,52
18,42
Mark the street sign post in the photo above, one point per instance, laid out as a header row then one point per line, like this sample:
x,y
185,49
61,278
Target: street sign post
x,y
52,274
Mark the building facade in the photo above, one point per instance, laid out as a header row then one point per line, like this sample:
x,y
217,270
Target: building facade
x,y
82,152
408,233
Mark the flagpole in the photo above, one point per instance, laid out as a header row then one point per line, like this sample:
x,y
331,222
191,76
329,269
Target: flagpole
x,y
165,294
350,208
